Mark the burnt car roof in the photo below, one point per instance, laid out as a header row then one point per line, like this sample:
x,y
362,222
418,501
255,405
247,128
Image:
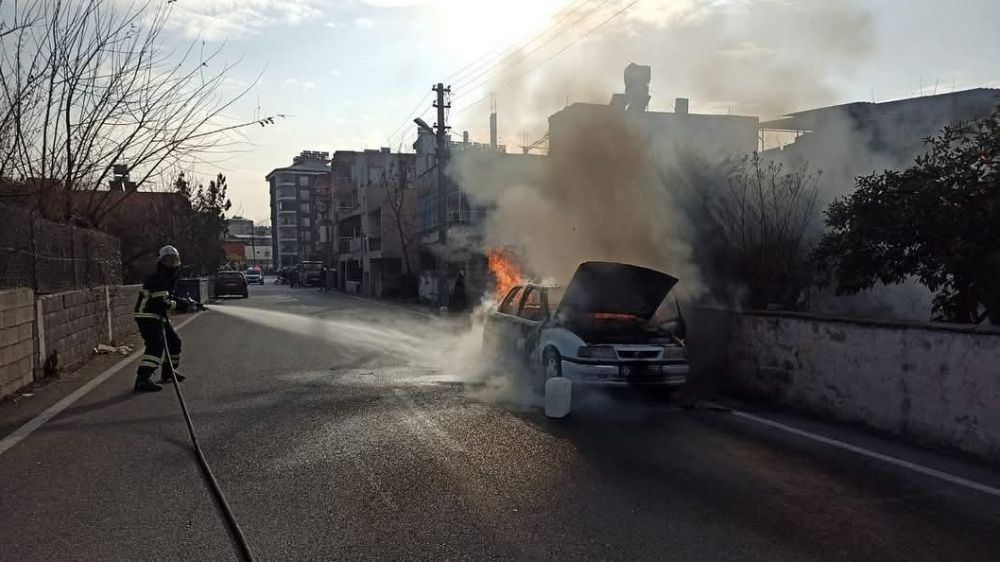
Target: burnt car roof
x,y
617,288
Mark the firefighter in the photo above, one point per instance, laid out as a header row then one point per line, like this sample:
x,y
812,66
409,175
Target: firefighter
x,y
156,300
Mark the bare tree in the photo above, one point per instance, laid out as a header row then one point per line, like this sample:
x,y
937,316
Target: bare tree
x,y
397,190
755,229
87,85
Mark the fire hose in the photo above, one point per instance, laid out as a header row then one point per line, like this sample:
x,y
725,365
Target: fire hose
x,y
236,534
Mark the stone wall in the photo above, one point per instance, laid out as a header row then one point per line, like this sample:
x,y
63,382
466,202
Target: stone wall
x,y
933,384
17,345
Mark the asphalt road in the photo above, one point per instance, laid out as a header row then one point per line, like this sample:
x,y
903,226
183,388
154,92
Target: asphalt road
x,y
344,429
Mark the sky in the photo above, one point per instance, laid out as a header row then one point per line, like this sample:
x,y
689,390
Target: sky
x,y
351,74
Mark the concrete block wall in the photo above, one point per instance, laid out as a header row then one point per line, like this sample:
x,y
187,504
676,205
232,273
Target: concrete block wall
x,y
17,339
73,323
122,305
932,384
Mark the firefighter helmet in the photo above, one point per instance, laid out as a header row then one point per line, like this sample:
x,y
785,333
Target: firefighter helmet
x,y
168,251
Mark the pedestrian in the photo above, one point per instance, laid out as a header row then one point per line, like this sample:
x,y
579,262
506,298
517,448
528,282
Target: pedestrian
x,y
294,275
156,300
458,300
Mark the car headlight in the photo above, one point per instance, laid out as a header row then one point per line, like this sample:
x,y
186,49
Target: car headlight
x,y
674,352
597,352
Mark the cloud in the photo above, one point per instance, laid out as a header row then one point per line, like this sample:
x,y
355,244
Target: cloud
x,y
306,86
393,3
331,24
336,73
215,20
291,80
364,23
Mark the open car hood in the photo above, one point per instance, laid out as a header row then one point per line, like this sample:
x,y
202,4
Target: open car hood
x,y
615,288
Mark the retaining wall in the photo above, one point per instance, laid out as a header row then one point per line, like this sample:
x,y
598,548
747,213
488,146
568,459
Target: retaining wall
x,y
17,339
933,384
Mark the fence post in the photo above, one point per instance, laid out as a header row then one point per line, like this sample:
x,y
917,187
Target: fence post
x,y
107,303
34,254
39,337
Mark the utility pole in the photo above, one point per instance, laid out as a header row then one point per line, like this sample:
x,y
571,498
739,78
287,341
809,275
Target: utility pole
x,y
441,132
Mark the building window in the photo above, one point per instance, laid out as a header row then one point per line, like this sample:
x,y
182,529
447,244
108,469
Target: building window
x,y
304,207
306,235
303,181
305,222
304,194
284,178
286,193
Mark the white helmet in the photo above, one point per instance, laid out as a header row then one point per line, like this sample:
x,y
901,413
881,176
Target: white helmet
x,y
168,251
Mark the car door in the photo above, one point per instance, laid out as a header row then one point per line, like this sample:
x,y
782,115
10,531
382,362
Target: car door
x,y
500,326
530,316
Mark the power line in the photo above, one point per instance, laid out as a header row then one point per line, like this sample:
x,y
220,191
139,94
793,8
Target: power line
x,y
569,9
458,75
422,101
554,55
476,78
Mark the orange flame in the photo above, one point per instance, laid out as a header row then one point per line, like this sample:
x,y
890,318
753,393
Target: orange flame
x,y
506,272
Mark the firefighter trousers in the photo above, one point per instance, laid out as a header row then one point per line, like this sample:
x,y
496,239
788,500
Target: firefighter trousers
x,y
153,333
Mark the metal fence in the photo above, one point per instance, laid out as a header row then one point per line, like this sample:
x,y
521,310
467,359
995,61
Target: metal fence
x,y
50,257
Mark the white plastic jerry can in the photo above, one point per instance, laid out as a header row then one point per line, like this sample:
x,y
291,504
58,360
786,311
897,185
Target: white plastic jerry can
x,y
558,397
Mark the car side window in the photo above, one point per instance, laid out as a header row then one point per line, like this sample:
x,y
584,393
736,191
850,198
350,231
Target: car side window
x,y
531,305
509,304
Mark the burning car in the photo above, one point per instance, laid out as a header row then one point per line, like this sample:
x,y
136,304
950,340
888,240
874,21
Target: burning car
x,y
601,329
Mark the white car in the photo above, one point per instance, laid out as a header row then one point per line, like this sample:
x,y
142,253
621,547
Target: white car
x,y
599,330
254,277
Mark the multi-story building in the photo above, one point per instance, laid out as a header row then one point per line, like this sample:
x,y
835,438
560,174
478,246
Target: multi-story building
x,y
462,250
254,240
859,138
665,134
376,222
292,213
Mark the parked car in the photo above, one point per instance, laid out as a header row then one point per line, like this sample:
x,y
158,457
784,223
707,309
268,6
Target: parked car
x,y
599,330
254,276
311,273
231,283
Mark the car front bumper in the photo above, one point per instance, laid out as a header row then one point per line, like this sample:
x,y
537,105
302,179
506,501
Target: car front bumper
x,y
647,373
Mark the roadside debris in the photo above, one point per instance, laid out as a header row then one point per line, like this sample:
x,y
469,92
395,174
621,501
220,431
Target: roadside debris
x,y
104,349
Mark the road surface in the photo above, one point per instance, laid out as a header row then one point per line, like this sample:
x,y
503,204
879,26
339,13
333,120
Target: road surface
x,y
346,429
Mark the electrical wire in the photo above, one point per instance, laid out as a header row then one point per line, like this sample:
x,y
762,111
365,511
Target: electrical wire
x,y
553,55
234,527
461,73
476,79
461,76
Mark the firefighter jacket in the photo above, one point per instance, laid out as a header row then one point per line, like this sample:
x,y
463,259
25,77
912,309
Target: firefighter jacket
x,y
156,299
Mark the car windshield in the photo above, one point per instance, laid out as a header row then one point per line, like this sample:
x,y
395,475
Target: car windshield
x,y
230,275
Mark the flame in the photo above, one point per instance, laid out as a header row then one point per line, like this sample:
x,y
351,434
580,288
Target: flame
x,y
506,272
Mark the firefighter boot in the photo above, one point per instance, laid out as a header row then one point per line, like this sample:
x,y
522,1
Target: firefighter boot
x,y
146,385
168,378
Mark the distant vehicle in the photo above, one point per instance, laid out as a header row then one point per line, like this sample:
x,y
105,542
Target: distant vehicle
x,y
599,330
311,273
231,283
254,276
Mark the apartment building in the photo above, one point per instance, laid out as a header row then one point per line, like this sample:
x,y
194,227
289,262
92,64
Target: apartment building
x,y
292,212
376,231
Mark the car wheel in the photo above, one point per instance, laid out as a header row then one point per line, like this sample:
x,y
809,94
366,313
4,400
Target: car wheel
x,y
551,363
246,294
